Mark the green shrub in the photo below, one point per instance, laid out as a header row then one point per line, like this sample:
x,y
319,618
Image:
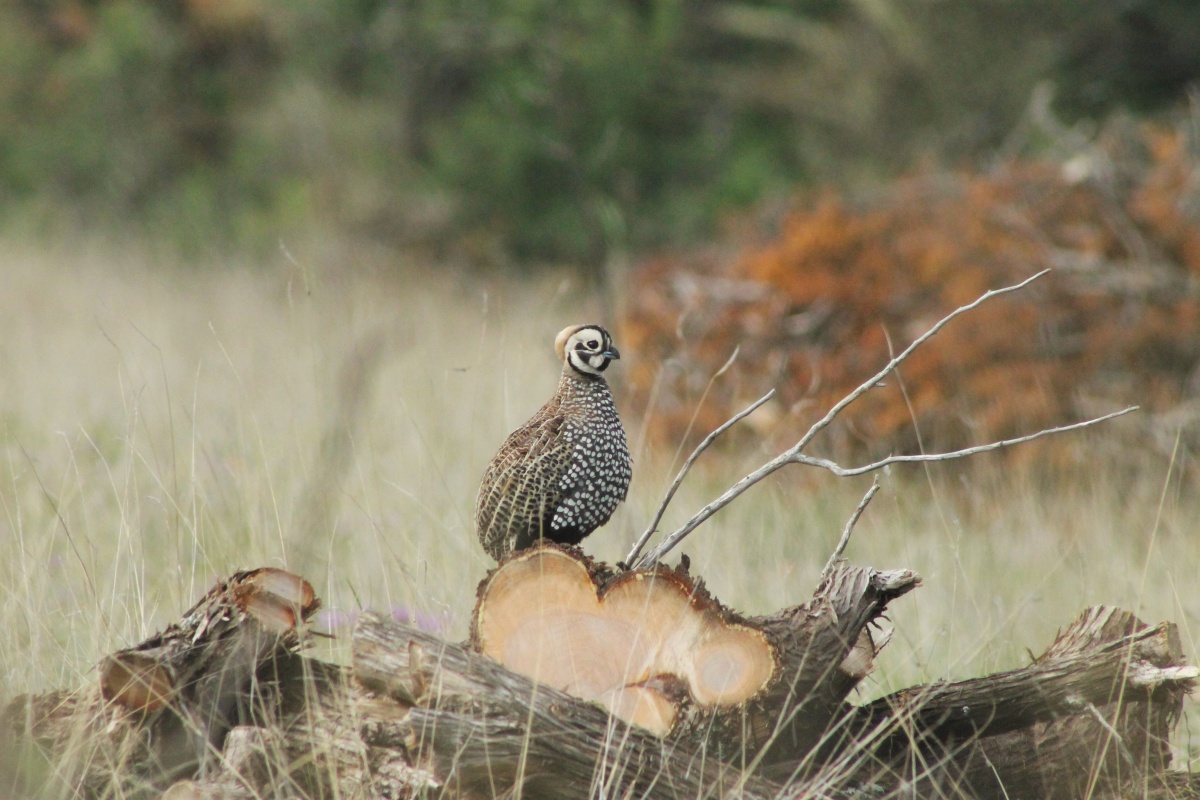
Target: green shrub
x,y
539,129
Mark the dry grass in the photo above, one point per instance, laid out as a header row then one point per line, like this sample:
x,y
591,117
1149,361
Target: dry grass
x,y
163,427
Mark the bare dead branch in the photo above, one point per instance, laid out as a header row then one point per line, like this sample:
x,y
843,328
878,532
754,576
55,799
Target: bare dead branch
x,y
729,362
794,454
843,472
687,465
850,523
793,457
840,406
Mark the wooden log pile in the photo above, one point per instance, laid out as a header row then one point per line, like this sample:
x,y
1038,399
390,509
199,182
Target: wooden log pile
x,y
693,700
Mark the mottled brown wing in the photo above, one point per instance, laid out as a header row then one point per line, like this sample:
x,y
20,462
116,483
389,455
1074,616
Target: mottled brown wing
x,y
520,489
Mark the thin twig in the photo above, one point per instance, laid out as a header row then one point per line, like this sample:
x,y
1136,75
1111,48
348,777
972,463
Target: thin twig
x,y
793,455
687,465
824,422
843,472
729,362
850,523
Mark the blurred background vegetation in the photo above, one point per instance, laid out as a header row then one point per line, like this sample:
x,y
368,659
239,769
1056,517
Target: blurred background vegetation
x,y
806,183
516,133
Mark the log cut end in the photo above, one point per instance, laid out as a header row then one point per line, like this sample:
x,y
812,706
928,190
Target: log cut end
x,y
143,680
279,600
136,682
639,644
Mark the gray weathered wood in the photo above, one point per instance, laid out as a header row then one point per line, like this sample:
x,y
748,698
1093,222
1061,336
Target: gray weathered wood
x,y
814,641
416,716
1081,719
487,730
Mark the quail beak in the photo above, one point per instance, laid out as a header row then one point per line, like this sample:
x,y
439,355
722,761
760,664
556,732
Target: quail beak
x,y
612,353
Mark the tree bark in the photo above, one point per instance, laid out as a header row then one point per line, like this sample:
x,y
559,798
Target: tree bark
x,y
222,706
1092,715
826,648
489,730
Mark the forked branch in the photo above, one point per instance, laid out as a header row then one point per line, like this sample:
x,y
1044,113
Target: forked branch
x,y
687,466
795,455
849,472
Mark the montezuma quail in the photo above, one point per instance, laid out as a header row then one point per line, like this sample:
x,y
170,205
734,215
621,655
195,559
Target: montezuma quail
x,y
562,473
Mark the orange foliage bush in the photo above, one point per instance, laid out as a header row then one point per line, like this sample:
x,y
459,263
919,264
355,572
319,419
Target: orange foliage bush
x,y
818,308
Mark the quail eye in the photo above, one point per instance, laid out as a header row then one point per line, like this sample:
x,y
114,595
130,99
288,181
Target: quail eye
x,y
593,344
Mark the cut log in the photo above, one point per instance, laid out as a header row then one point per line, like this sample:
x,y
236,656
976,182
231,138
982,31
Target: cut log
x,y
161,710
416,716
488,731
826,648
1092,715
658,651
639,643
